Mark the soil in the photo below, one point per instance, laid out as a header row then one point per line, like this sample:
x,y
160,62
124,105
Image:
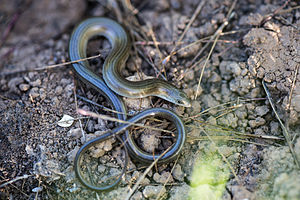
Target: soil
x,y
236,147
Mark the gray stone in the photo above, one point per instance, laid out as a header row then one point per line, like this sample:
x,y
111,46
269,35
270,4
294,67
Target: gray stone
x,y
257,122
34,92
152,192
261,110
165,177
177,173
24,87
179,192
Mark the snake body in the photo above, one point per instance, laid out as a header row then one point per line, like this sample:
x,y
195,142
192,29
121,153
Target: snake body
x,y
114,83
116,59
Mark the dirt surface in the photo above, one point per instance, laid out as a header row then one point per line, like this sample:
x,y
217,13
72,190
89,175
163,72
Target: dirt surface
x,y
235,149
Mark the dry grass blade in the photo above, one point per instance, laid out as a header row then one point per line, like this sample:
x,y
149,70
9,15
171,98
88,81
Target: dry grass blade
x,y
15,179
293,86
156,46
105,117
229,138
141,178
76,105
48,67
197,11
285,132
215,37
230,131
100,106
160,192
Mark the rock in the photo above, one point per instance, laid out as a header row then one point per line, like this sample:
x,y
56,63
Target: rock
x,y
152,192
137,196
150,141
210,102
165,177
177,173
36,83
179,192
13,83
58,90
257,122
214,77
196,107
24,87
71,155
296,102
261,110
275,128
240,192
197,92
227,68
34,92
75,133
43,93
189,76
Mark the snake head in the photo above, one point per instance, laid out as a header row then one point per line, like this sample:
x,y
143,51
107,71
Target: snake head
x,y
175,96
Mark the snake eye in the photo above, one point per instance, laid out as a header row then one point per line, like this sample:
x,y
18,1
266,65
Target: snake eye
x,y
179,102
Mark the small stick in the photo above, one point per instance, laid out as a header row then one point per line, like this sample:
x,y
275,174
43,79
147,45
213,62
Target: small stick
x,y
105,117
49,66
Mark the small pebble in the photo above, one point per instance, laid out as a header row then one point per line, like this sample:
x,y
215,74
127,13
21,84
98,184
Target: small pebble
x,y
58,90
37,189
36,83
240,114
215,77
55,101
90,126
177,173
137,196
180,192
34,92
71,155
176,4
13,83
296,102
153,191
150,141
163,178
261,110
196,107
234,68
43,93
24,87
257,122
274,128
197,92
189,76
255,92
75,133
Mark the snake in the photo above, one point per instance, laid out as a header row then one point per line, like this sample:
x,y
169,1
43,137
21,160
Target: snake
x,y
115,62
113,85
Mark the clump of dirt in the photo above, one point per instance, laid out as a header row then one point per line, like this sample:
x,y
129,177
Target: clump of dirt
x,y
276,61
